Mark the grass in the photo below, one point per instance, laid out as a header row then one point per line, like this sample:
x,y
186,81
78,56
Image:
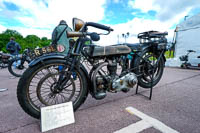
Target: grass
x,y
169,55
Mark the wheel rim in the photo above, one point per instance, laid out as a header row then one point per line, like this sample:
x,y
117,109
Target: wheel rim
x,y
47,93
147,70
19,70
36,86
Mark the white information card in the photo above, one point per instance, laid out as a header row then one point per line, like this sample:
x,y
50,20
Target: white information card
x,y
56,116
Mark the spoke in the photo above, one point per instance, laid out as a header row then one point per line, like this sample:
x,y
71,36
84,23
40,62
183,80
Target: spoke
x,y
44,88
55,99
43,93
34,82
34,85
37,77
63,97
66,92
67,85
45,98
53,76
35,100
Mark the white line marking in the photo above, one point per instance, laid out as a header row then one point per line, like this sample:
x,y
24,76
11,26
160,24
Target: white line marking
x,y
135,128
151,121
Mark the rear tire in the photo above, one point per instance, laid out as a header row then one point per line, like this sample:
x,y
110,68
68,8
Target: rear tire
x,y
38,73
142,68
20,70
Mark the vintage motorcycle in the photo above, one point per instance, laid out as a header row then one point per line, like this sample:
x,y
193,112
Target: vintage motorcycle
x,y
18,64
56,78
4,60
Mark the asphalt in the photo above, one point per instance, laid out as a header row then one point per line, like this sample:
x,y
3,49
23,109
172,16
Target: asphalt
x,y
175,102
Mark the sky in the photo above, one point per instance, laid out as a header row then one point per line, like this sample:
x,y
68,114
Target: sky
x,y
40,17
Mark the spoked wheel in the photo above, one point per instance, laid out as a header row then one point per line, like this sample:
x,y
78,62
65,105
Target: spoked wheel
x,y
148,75
16,67
37,87
49,95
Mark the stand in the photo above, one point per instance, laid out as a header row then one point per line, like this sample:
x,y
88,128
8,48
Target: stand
x,y
151,89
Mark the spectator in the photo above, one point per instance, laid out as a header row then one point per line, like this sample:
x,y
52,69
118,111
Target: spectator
x,y
13,47
59,35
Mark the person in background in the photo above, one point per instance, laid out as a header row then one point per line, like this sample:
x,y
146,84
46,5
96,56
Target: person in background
x,y
59,35
13,47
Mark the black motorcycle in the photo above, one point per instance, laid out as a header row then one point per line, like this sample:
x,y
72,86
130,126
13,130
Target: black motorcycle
x,y
18,64
56,78
185,63
4,60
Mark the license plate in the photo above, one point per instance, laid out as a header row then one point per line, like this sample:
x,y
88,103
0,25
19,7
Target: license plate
x,y
44,50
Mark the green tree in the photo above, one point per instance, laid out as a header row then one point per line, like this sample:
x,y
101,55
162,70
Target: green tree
x,y
30,41
5,38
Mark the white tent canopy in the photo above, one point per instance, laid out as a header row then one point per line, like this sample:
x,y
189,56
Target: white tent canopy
x,y
187,38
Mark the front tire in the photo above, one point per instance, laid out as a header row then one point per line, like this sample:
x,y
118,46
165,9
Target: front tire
x,y
39,79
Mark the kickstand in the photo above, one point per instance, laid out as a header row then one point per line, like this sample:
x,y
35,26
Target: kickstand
x,y
151,88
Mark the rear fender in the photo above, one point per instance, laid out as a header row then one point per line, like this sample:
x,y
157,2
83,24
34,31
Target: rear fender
x,y
143,47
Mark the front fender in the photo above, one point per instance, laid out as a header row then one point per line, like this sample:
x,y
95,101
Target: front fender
x,y
55,56
46,57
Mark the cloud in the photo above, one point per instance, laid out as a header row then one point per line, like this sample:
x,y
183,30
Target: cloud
x,y
36,14
138,25
40,17
144,5
171,9
166,9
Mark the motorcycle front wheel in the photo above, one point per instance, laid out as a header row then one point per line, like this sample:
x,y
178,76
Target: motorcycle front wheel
x,y
17,66
36,87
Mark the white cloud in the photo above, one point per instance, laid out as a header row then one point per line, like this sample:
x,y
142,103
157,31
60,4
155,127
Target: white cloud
x,y
166,9
48,17
43,19
144,5
138,25
33,31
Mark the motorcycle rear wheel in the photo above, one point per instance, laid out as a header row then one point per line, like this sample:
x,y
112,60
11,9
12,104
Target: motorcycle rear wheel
x,y
145,71
17,71
38,80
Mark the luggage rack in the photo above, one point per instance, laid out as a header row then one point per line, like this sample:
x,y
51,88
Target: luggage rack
x,y
154,37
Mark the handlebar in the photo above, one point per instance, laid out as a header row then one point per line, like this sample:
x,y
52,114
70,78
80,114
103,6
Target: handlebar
x,y
189,51
75,34
99,26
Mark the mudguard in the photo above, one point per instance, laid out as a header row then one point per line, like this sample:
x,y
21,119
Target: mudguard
x,y
55,56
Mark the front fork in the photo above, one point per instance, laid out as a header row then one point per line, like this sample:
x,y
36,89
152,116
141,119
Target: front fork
x,y
74,57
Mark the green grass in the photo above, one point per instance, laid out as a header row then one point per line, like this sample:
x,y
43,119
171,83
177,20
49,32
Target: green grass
x,y
167,54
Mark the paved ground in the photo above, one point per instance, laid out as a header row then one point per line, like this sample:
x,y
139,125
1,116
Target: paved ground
x,y
175,102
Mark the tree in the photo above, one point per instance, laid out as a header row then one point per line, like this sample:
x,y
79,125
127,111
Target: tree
x,y
30,41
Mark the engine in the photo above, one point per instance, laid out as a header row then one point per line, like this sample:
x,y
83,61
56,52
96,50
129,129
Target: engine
x,y
124,83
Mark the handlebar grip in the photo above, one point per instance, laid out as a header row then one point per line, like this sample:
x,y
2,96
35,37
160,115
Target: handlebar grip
x,y
74,34
99,26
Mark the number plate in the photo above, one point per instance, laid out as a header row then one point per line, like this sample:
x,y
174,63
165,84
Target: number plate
x,y
44,50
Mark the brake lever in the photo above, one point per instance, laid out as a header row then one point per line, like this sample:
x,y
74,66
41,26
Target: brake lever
x,y
104,33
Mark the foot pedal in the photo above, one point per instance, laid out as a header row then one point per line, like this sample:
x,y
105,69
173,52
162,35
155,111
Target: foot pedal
x,y
125,90
99,95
